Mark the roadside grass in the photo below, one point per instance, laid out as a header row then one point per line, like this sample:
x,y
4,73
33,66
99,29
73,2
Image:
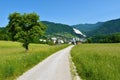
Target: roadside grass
x,y
97,61
14,60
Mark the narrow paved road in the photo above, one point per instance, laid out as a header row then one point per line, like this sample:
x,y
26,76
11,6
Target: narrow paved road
x,y
55,67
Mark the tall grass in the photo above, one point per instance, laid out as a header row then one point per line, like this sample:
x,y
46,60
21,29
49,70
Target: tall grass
x,y
97,61
14,60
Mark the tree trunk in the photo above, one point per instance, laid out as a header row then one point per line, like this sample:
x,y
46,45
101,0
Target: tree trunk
x,y
26,47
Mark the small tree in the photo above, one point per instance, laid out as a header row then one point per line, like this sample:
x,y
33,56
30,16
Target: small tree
x,y
25,27
89,40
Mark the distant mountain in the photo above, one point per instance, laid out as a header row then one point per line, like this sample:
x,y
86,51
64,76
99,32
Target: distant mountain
x,y
108,27
57,29
87,27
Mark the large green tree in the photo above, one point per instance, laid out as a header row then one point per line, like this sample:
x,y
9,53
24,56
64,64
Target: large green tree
x,y
25,27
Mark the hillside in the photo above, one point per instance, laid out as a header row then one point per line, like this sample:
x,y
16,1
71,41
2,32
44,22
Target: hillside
x,y
108,27
57,29
87,27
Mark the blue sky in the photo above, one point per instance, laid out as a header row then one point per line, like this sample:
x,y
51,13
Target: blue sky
x,y
63,11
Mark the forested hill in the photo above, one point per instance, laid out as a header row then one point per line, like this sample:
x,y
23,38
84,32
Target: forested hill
x,y
87,27
108,27
58,29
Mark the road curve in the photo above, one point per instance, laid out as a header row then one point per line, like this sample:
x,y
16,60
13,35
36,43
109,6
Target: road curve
x,y
55,67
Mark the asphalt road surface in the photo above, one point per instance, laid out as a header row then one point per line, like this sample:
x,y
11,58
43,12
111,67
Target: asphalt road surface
x,y
55,67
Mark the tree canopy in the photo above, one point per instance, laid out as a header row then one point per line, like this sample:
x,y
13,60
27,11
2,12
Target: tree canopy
x,y
109,38
25,27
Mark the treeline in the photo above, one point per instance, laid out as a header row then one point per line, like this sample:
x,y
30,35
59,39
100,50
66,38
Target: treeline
x,y
110,38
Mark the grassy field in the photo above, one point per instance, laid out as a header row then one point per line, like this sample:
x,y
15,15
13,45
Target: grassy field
x,y
97,61
14,60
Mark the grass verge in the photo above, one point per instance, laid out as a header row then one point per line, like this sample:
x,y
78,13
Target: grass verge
x,y
97,61
14,60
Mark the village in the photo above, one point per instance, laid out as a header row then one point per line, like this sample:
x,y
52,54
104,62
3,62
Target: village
x,y
80,38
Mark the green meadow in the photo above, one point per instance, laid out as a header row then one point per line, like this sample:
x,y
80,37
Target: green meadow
x,y
14,60
97,61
